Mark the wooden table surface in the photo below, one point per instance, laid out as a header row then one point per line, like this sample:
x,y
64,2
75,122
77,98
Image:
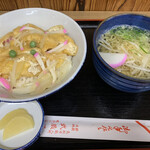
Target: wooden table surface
x,y
94,15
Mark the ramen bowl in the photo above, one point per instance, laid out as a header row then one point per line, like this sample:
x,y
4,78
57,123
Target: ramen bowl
x,y
112,77
44,18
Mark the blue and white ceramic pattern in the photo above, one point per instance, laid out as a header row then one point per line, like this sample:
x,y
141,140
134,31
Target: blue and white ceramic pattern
x,y
112,77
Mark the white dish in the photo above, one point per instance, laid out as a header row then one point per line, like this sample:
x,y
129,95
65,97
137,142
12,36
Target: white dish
x,y
24,139
44,18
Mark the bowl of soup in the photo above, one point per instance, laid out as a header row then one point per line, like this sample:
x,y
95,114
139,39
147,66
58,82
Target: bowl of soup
x,y
121,53
41,51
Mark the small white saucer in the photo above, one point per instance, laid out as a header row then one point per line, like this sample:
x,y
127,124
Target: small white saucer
x,y
24,139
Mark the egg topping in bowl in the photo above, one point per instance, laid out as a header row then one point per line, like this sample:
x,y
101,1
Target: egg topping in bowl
x,y
33,60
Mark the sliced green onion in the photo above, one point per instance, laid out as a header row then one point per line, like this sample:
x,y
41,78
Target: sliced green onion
x,y
144,49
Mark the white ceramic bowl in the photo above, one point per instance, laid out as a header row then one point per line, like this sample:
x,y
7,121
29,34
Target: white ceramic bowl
x,y
27,138
45,18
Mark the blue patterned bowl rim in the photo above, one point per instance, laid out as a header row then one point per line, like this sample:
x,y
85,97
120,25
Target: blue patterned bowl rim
x,y
101,59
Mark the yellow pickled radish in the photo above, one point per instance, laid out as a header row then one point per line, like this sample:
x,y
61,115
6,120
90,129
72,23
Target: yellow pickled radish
x,y
17,125
4,121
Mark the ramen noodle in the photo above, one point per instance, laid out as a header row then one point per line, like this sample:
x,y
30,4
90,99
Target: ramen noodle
x,y
33,60
132,41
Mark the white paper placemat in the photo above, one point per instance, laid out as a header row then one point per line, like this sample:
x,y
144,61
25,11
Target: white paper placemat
x,y
96,128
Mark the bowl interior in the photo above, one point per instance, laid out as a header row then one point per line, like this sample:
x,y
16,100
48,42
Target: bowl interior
x,y
139,21
26,138
44,18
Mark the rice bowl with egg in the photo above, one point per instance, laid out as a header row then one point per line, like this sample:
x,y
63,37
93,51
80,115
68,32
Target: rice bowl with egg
x,y
75,60
35,59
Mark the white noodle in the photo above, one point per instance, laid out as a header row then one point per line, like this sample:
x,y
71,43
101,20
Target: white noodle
x,y
138,61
